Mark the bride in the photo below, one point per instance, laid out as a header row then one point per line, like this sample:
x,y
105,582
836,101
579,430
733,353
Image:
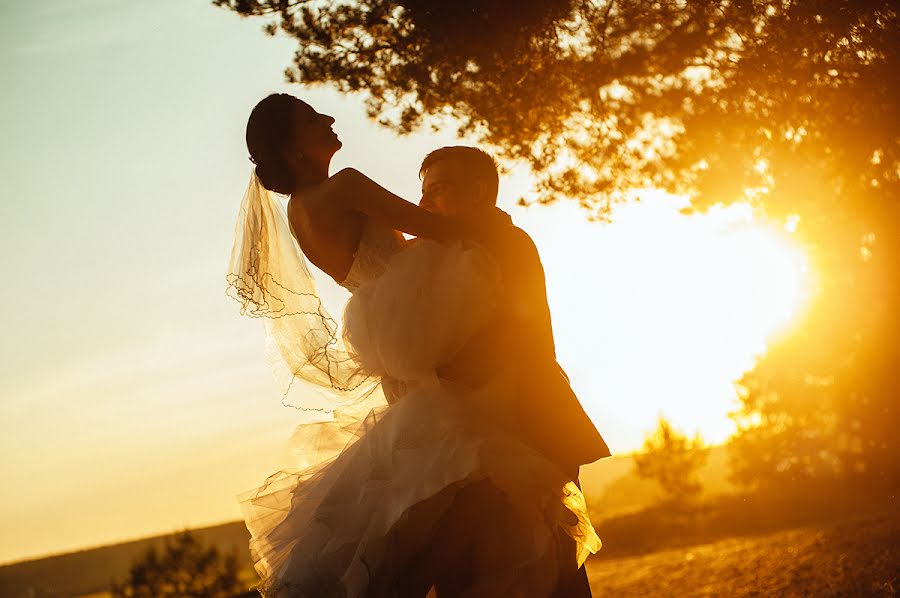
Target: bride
x,y
375,474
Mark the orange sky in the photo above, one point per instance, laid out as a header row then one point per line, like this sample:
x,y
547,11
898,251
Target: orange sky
x,y
135,400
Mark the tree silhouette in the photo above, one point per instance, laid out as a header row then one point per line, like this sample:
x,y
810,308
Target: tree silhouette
x,y
600,97
671,459
185,569
791,105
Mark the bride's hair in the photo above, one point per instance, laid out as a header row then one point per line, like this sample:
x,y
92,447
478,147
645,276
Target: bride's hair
x,y
269,129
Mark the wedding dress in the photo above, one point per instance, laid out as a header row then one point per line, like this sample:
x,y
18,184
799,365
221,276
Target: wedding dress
x,y
331,526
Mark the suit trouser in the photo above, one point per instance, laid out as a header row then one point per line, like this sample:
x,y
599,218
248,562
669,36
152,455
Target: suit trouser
x,y
475,528
577,587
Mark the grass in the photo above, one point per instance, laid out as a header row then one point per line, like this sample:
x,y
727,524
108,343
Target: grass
x,y
672,525
859,556
807,540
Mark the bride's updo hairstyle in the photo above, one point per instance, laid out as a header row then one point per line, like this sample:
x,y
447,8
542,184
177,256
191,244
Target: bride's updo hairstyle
x,y
269,131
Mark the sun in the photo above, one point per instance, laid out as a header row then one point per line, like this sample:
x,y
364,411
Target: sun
x,y
776,264
661,312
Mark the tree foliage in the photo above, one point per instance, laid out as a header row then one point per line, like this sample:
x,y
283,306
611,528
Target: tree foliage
x,y
671,459
602,96
791,105
185,569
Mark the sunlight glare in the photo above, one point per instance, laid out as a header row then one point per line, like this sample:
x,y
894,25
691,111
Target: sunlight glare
x,y
660,312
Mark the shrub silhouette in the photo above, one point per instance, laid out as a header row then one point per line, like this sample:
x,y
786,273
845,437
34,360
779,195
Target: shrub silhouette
x,y
185,568
672,460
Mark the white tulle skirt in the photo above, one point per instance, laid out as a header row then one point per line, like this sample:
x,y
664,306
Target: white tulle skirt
x,y
343,526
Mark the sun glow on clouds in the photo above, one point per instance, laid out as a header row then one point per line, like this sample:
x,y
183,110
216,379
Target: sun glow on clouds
x,y
660,312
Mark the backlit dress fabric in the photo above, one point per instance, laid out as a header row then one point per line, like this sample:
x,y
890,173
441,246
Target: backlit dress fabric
x,y
373,480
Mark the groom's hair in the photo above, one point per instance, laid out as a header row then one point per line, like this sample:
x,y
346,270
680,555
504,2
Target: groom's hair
x,y
477,162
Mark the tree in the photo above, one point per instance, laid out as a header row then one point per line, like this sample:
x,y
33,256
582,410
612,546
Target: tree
x,y
671,459
791,105
716,97
185,569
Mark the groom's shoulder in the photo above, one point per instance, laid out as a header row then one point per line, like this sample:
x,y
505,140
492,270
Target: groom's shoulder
x,y
520,243
507,233
518,258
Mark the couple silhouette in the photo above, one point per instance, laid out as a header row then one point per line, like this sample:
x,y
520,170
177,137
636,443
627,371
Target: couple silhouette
x,y
447,458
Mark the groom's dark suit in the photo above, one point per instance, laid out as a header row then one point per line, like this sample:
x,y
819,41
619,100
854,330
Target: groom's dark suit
x,y
545,412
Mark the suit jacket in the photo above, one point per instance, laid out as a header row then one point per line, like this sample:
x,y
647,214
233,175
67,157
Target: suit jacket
x,y
548,415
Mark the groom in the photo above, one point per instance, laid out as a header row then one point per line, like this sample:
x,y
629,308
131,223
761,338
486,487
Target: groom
x,y
463,182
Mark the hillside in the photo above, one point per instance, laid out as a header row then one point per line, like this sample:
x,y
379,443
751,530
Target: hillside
x,y
786,542
857,557
90,571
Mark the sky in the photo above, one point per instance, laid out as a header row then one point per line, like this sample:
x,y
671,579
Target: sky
x,y
135,400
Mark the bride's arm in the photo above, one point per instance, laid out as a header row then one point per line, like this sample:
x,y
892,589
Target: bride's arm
x,y
355,191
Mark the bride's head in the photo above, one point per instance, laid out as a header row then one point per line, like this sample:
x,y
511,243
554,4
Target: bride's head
x,y
290,143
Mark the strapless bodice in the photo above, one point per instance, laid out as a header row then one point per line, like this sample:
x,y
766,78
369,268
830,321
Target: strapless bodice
x,y
377,246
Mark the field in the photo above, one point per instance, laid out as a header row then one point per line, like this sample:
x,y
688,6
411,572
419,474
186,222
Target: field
x,y
859,556
807,541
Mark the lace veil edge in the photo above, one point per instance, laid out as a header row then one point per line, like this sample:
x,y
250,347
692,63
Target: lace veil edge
x,y
269,276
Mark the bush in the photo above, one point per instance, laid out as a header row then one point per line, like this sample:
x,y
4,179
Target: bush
x,y
671,459
185,569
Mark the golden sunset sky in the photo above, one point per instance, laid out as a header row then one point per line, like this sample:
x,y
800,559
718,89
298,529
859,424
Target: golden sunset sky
x,y
134,398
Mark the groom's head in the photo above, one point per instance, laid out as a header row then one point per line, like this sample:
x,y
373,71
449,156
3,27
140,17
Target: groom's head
x,y
457,179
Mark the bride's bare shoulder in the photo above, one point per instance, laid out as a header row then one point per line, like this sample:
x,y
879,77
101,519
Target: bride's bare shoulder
x,y
328,192
346,184
333,192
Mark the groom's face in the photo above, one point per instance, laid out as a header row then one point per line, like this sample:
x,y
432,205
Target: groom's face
x,y
447,189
